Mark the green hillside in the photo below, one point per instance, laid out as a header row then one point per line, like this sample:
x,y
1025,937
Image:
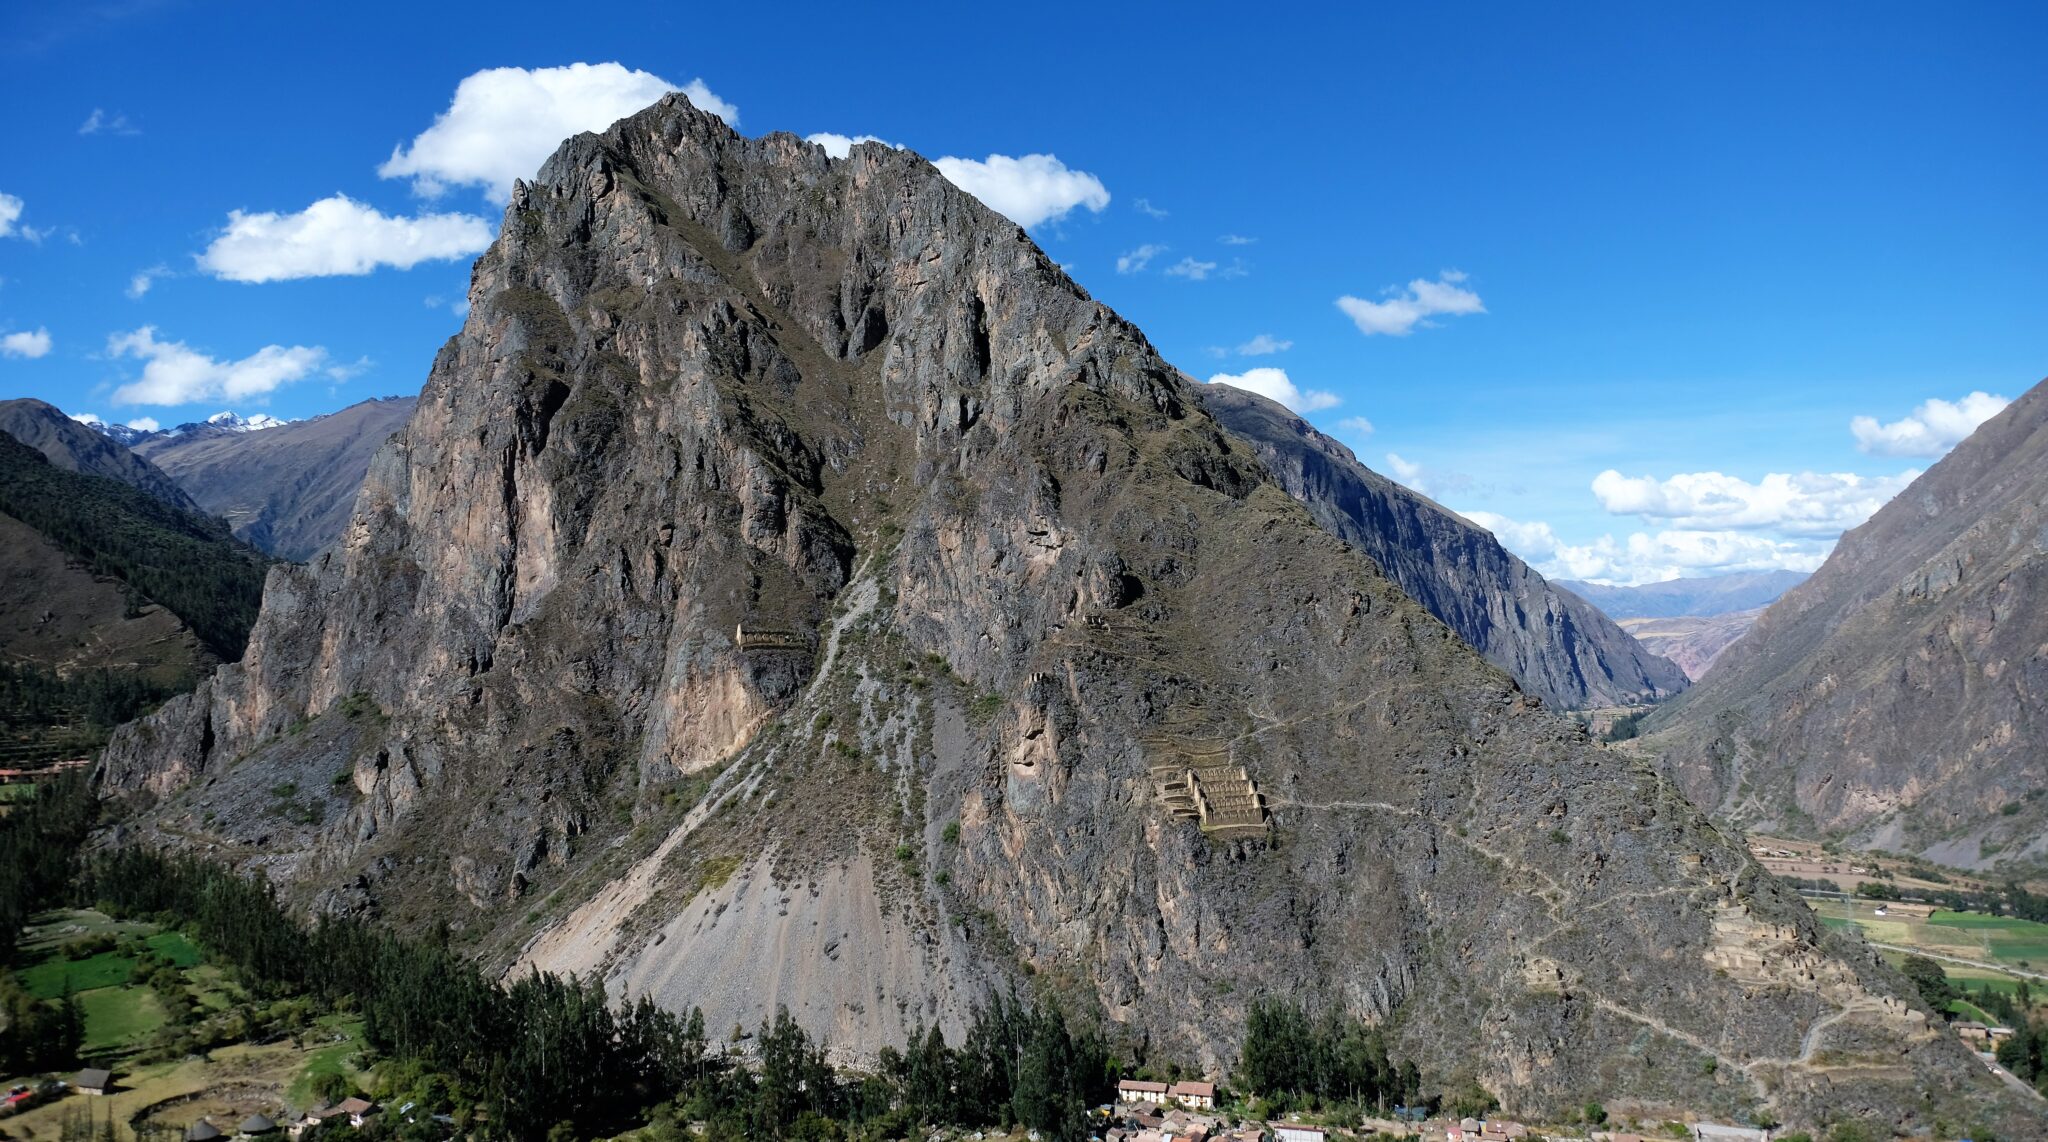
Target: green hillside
x,y
189,563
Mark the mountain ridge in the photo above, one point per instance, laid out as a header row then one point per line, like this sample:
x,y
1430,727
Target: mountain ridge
x,y
784,532
1559,647
285,486
1892,697
78,447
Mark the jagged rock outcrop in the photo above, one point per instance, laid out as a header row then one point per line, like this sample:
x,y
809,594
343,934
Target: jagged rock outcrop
x,y
287,488
75,447
788,552
1897,696
1558,646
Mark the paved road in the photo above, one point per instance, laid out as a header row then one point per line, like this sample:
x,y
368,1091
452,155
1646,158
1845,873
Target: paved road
x,y
1959,960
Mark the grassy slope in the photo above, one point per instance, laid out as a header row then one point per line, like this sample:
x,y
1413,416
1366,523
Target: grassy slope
x,y
189,563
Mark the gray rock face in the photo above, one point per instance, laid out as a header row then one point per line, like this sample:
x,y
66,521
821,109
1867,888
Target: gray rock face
x,y
1559,647
288,489
782,527
1898,694
75,447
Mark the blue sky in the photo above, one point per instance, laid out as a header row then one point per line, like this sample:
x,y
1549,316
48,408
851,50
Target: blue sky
x,y
1622,276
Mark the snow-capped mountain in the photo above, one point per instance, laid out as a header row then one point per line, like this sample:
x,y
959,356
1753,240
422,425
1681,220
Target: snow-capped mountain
x,y
137,431
235,423
128,434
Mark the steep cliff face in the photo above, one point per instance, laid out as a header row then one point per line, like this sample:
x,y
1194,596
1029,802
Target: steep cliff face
x,y
287,489
1898,695
75,447
793,588
1559,647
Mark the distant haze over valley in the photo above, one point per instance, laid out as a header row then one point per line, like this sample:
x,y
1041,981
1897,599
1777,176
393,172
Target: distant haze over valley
x,y
1704,596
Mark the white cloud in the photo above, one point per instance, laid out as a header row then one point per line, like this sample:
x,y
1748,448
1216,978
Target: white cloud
x,y
1933,428
87,418
1273,384
1356,426
337,235
26,344
1263,345
1236,240
145,424
1027,190
1803,503
505,121
1191,269
1403,310
10,213
1406,471
174,373
1144,206
839,146
1138,259
351,370
139,285
99,122
1646,557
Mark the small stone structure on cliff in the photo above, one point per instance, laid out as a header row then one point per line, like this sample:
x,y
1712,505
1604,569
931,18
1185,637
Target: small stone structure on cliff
x,y
761,638
1197,782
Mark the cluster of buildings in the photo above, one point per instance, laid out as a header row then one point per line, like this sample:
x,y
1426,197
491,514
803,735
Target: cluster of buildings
x,y
1176,1112
1980,1037
354,1111
1173,1112
1194,1095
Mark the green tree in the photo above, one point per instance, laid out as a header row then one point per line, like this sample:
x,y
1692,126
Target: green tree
x,y
1932,982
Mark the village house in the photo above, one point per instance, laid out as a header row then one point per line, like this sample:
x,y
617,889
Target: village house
x,y
93,1080
355,1111
1297,1132
1139,1090
1201,1096
1716,1132
256,1126
202,1131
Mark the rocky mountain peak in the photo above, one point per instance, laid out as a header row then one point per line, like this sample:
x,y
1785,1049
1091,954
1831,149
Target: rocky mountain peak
x,y
791,588
235,422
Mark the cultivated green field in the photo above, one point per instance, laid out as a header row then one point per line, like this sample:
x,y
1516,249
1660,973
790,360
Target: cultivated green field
x,y
117,1018
2004,944
127,1020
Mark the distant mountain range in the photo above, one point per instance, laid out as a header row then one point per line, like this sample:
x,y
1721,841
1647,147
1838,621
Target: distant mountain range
x,y
1702,597
285,486
218,422
1899,697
